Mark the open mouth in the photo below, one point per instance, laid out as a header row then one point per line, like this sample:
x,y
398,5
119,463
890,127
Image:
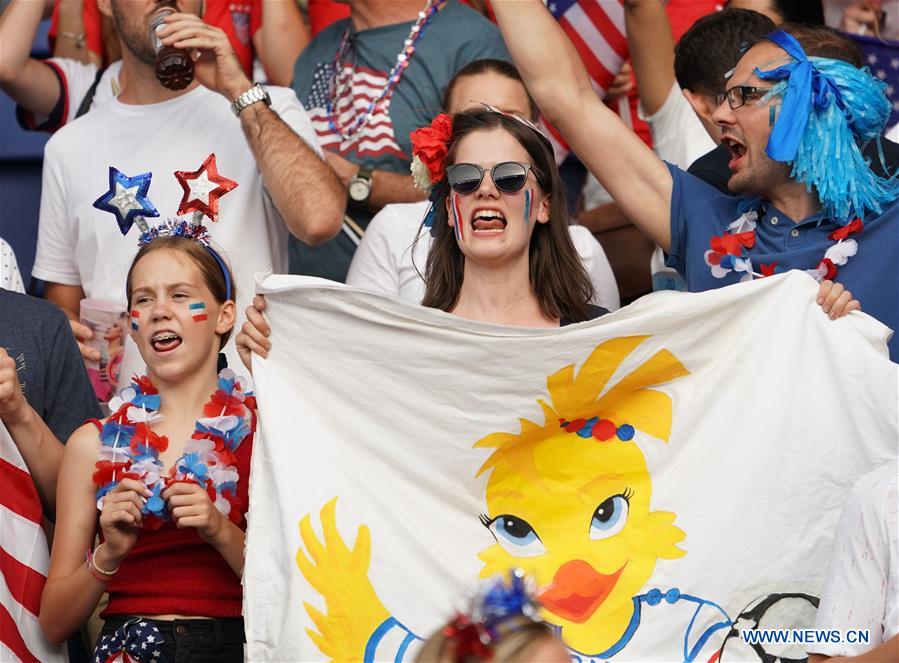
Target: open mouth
x,y
165,341
736,148
488,222
578,590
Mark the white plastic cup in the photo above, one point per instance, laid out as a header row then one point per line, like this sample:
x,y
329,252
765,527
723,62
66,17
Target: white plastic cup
x,y
107,321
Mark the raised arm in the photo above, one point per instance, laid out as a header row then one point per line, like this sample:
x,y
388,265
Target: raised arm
x,y
651,46
40,449
280,39
29,82
70,35
303,187
554,74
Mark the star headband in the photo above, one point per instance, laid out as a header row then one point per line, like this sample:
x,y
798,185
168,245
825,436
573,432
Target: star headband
x,y
500,609
127,200
827,107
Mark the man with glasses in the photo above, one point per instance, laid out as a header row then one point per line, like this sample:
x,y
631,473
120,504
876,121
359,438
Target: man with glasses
x,y
809,200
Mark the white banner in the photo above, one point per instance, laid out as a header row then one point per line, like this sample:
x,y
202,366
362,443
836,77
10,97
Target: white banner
x,y
663,472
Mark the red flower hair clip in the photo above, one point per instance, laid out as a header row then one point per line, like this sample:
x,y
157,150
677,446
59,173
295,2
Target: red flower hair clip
x,y
430,145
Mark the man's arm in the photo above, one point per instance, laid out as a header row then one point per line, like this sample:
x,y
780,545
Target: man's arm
x,y
29,82
386,187
651,46
304,188
280,39
552,70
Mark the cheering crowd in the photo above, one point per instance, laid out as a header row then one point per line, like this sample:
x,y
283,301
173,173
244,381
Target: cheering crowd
x,y
454,155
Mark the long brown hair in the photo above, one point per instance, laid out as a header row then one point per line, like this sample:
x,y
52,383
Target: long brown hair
x,y
209,268
558,278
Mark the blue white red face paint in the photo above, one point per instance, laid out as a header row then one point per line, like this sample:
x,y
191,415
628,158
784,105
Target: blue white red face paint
x,y
527,208
198,311
135,320
457,217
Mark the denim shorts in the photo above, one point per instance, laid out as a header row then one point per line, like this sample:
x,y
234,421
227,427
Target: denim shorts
x,y
173,641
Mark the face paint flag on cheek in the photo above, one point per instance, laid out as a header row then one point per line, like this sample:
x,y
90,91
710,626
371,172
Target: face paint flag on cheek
x,y
457,217
527,208
135,320
198,311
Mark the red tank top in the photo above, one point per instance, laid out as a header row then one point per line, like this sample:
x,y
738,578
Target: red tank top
x,y
173,571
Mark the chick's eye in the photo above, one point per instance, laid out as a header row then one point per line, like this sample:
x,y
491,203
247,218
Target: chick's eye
x,y
609,517
515,535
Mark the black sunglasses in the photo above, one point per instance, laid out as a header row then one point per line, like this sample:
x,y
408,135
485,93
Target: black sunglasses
x,y
508,177
740,95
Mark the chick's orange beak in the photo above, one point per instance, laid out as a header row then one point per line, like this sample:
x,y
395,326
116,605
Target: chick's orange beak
x,y
577,590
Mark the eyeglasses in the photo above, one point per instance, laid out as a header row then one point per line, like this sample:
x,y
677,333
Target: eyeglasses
x,y
740,95
508,177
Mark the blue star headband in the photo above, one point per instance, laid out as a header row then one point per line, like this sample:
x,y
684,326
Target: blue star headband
x,y
828,106
127,200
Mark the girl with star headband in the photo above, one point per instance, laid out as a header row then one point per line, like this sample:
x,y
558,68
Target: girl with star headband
x,y
163,480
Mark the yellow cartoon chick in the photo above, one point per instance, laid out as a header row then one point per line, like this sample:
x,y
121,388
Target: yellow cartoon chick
x,y
569,504
569,501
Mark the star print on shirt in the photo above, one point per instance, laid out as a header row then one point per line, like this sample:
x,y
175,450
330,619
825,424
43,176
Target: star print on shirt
x,y
203,188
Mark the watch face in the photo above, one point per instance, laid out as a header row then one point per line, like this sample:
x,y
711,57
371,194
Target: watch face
x,y
359,190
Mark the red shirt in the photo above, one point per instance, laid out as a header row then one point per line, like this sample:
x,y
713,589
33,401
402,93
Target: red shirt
x,y
173,571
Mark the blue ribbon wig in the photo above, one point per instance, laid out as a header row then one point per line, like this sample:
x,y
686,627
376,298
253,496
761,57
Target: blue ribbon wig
x,y
828,108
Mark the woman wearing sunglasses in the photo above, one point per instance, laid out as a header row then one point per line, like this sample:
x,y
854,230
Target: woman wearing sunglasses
x,y
502,252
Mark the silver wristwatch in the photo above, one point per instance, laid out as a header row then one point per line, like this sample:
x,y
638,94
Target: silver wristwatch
x,y
250,97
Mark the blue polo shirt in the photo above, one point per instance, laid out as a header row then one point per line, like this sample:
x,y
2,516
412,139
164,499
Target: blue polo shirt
x,y
699,212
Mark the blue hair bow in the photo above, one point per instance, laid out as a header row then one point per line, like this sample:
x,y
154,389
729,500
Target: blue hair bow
x,y
807,90
828,108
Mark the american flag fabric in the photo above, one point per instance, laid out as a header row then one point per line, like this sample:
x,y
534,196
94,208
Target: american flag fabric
x,y
596,28
376,137
24,561
881,56
136,641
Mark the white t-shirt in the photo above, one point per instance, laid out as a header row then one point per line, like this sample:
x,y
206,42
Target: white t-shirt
x,y
861,589
678,136
10,278
81,245
383,262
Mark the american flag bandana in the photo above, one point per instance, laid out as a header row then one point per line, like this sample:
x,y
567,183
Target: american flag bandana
x,y
136,641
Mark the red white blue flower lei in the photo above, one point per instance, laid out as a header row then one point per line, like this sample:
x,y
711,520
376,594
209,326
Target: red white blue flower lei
x,y
131,449
730,252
